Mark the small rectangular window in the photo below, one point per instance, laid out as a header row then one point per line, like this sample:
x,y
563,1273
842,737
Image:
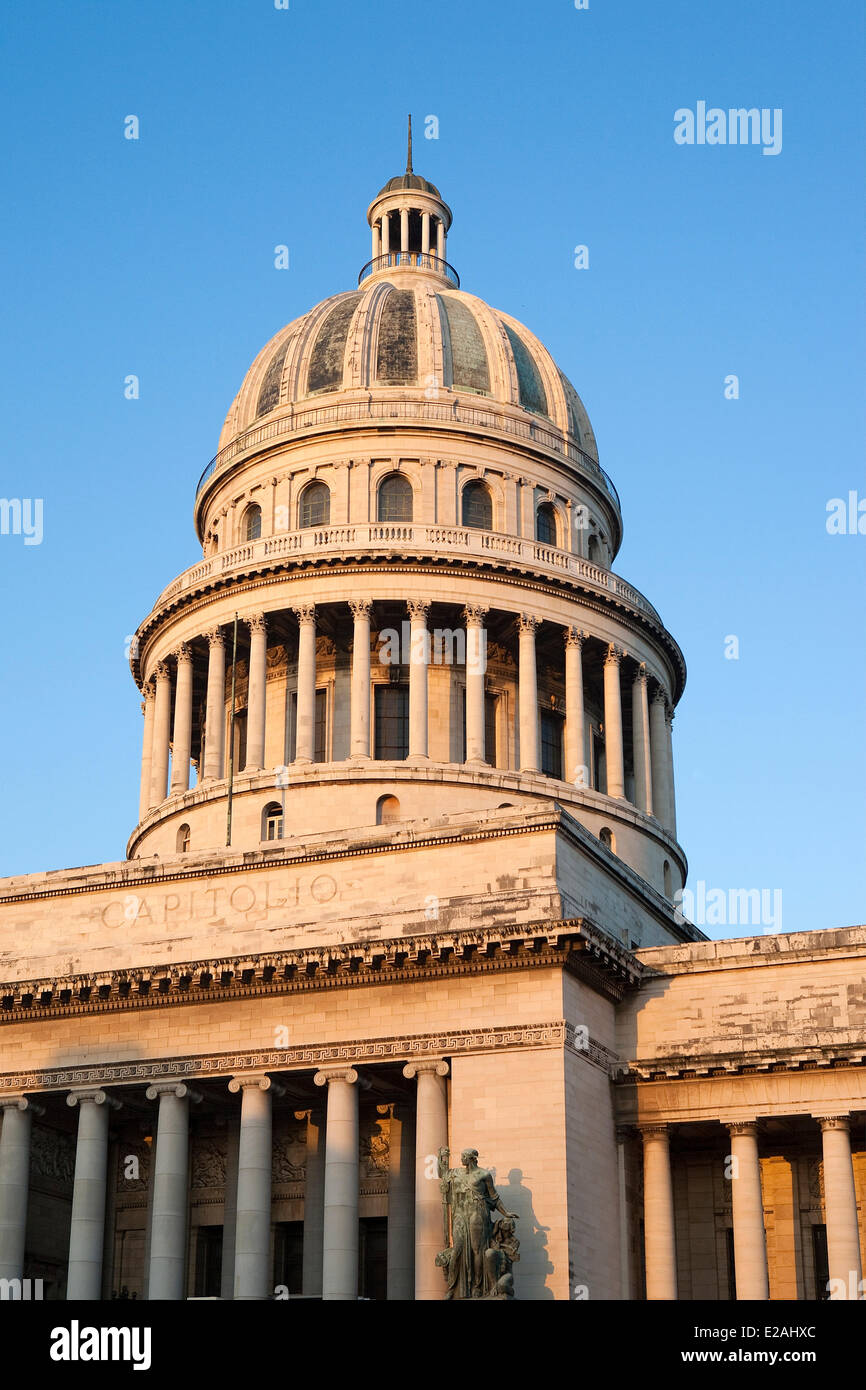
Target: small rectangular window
x,y
491,703
551,743
392,722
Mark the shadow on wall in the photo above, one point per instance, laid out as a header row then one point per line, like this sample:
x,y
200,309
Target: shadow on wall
x,y
534,1267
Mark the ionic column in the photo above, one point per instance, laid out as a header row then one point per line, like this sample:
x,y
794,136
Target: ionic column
x,y
314,1201
527,694
658,756
576,764
750,1245
840,1207
161,735
404,229
669,754
401,1203
425,233
252,1278
147,708
17,1112
474,616
256,696
87,1228
168,1222
613,750
214,745
182,740
386,234
440,239
431,1135
419,660
658,1203
340,1227
359,714
305,730
640,730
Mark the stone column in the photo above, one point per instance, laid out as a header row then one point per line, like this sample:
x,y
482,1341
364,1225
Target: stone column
x,y
305,727
473,617
669,758
750,1245
256,695
342,1179
230,1207
359,713
440,238
613,750
386,234
17,1112
419,660
161,735
658,1203
147,708
182,741
527,694
425,233
404,229
431,1135
640,731
840,1208
87,1229
253,1204
169,1214
401,1203
214,746
314,1196
658,756
377,242
576,764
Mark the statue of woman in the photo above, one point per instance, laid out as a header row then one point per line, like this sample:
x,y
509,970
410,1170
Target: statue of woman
x,y
469,1199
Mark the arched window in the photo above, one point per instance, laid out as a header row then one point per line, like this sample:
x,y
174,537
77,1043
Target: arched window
x,y
387,810
272,821
607,839
545,524
182,839
669,887
477,507
395,498
315,505
252,522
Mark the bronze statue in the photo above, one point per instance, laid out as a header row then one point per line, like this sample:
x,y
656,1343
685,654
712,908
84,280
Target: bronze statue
x,y
479,1253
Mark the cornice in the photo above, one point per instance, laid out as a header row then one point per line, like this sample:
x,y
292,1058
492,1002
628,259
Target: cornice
x,y
709,1067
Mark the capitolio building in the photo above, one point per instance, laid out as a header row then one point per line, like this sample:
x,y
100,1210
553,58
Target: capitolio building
x,y
391,997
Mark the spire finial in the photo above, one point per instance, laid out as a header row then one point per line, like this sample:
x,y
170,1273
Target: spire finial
x,y
409,149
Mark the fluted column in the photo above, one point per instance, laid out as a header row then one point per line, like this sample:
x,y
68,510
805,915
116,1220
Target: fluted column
x,y
314,1197
214,746
305,729
425,233
669,755
840,1208
161,735
87,1227
576,762
750,1244
419,661
17,1113
253,1204
658,756
342,1178
401,1202
658,1203
613,749
431,1135
182,740
527,694
474,616
640,731
147,709
256,696
359,713
169,1216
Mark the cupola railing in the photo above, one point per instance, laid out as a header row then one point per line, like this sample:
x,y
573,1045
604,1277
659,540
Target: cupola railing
x,y
417,260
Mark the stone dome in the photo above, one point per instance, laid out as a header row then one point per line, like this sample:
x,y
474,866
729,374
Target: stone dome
x,y
413,181
408,331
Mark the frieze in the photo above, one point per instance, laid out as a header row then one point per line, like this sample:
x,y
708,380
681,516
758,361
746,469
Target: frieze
x,y
208,1162
52,1154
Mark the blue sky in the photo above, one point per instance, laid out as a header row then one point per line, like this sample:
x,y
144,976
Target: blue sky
x,y
262,126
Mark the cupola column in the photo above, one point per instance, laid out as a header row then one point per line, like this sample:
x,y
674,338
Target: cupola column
x,y
182,721
659,757
419,661
840,1199
386,234
527,694
425,233
359,714
161,734
440,238
669,758
576,765
256,698
377,241
475,666
643,788
215,716
404,230
147,708
305,732
613,749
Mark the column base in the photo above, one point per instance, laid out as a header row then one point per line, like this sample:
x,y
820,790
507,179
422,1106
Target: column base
x,y
415,758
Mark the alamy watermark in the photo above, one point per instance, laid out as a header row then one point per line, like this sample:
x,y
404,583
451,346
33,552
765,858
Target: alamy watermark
x,y
739,125
729,907
444,646
22,516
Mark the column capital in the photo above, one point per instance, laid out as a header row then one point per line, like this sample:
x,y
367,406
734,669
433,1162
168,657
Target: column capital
x,y
21,1102
161,671
842,1122
437,1065
215,638
418,608
347,1074
183,653
736,1127
257,622
361,607
474,614
574,637
640,673
614,655
254,1079
648,1133
148,689
527,623
93,1095
176,1088
305,613
660,697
